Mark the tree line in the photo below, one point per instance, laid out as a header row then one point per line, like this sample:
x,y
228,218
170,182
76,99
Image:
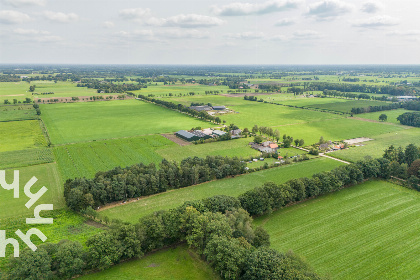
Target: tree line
x,y
410,118
216,227
343,87
142,180
202,114
109,87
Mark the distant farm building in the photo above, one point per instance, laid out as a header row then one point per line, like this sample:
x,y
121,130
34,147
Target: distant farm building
x,y
183,134
219,132
219,108
201,108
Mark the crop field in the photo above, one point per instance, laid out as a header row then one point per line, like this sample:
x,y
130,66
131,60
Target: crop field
x,y
172,263
21,135
25,157
233,148
85,159
47,175
337,129
392,115
376,147
368,231
131,212
163,90
17,113
79,122
66,226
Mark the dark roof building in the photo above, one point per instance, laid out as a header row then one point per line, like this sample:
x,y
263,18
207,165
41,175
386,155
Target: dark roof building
x,y
201,108
183,134
219,107
200,134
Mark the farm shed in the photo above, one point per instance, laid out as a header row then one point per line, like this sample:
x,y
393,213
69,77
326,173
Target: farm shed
x,y
201,108
183,134
200,134
219,107
218,132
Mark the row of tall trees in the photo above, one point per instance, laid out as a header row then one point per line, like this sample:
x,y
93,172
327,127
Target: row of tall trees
x,y
345,87
216,227
370,109
141,180
179,107
410,118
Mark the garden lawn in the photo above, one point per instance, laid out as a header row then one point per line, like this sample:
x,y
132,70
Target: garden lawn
x,y
376,147
86,159
79,122
173,263
131,212
20,135
368,231
232,148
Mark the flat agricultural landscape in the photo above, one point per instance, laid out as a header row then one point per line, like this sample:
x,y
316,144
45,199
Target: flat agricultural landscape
x,y
392,115
369,230
377,146
89,121
132,212
85,159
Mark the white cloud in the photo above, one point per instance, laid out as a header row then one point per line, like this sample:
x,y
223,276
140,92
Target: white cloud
x,y
13,17
372,7
135,13
376,21
18,3
285,22
61,17
184,21
108,24
306,35
329,9
184,34
245,35
404,32
21,31
192,21
240,9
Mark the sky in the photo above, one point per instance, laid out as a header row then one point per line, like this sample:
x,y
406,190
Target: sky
x,y
210,32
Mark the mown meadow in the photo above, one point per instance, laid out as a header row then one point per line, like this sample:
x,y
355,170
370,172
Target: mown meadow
x,y
369,230
81,122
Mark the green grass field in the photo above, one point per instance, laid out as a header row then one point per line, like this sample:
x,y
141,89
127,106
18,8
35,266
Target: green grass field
x,y
85,159
163,90
233,148
20,90
131,212
337,129
26,157
17,113
368,231
79,122
21,135
173,263
47,175
376,147
392,115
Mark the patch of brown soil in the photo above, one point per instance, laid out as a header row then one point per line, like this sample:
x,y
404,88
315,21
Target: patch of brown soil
x,y
176,140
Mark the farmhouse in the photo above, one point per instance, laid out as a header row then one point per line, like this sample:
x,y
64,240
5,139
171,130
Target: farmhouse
x,y
265,147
